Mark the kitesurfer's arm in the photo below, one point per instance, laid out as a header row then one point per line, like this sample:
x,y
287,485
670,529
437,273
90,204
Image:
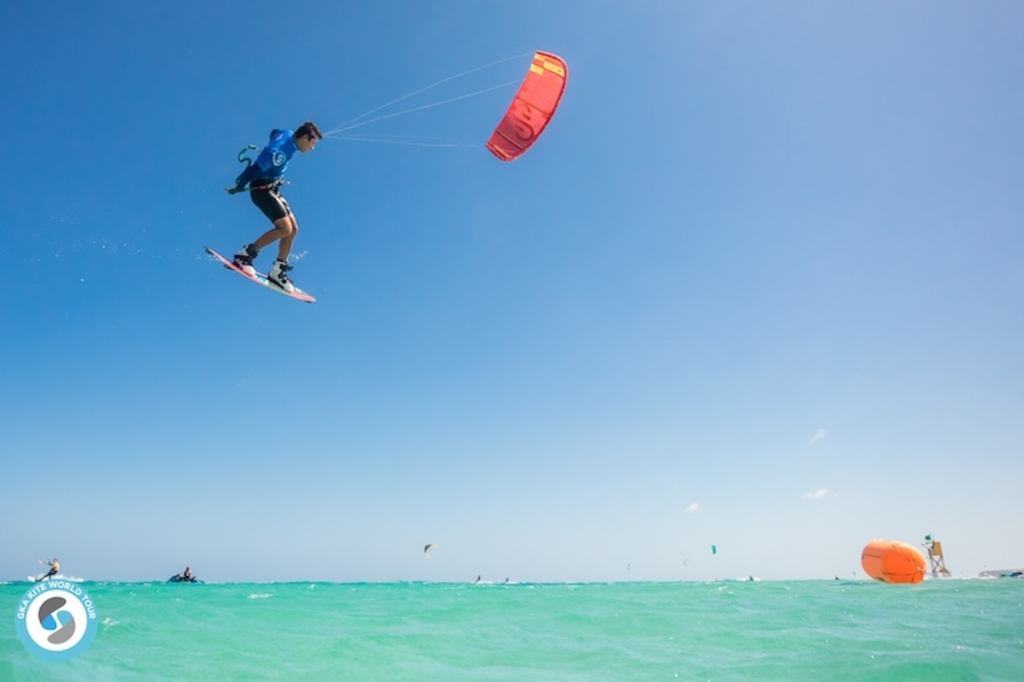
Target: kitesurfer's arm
x,y
256,169
247,176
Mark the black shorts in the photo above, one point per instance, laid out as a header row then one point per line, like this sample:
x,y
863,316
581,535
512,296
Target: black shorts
x,y
270,202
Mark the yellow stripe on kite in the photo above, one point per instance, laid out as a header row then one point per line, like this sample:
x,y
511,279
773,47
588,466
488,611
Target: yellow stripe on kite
x,y
554,68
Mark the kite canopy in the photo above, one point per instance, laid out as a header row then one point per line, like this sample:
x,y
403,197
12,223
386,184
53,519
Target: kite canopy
x,y
532,108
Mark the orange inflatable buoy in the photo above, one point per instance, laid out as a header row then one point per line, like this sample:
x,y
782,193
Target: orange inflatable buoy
x,y
893,562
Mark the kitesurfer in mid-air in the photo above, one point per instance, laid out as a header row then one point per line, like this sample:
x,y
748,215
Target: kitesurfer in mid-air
x,y
264,177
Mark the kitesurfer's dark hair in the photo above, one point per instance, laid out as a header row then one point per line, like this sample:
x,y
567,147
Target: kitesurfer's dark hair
x,y
309,129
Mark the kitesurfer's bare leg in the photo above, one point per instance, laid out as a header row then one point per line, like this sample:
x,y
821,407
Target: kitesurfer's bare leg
x,y
285,229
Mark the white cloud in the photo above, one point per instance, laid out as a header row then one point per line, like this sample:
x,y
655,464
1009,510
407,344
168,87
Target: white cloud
x,y
692,508
816,495
818,437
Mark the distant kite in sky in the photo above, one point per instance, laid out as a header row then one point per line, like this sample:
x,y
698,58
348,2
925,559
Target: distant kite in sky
x,y
427,547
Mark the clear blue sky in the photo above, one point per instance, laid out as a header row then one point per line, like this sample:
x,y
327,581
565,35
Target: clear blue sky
x,y
758,285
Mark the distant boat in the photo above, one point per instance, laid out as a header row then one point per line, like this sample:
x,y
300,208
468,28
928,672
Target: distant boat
x,y
182,579
1003,573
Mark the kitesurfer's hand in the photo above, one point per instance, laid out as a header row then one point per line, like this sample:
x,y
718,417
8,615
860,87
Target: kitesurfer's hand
x,y
233,190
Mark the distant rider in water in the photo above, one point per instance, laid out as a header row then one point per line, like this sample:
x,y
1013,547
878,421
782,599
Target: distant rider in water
x,y
264,177
54,568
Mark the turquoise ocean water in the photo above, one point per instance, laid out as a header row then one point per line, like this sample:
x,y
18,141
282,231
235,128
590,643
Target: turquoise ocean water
x,y
806,630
